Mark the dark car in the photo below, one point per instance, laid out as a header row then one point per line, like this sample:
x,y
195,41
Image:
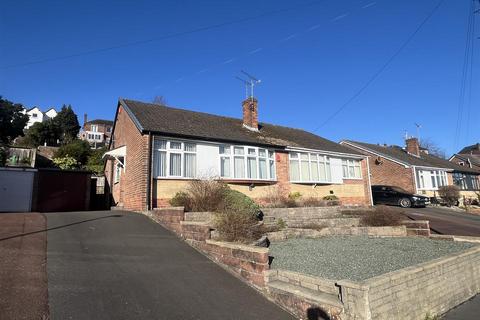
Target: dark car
x,y
397,196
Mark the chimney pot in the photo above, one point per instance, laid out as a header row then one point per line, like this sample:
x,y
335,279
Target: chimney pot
x,y
250,113
413,147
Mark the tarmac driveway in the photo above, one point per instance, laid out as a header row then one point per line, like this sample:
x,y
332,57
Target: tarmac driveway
x,y
120,265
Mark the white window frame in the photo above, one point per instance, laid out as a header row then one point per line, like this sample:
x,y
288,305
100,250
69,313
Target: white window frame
x,y
269,156
168,150
321,158
425,177
352,163
94,128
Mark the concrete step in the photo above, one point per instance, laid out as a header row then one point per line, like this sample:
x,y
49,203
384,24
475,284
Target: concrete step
x,y
314,296
117,208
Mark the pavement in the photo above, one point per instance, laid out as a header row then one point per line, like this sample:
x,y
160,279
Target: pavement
x,y
120,265
23,277
447,221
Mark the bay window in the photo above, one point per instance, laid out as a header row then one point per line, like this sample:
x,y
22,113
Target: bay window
x,y
247,162
174,159
309,167
466,181
351,169
430,179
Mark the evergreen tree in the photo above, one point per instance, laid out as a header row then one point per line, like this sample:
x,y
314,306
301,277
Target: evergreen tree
x,y
12,121
67,121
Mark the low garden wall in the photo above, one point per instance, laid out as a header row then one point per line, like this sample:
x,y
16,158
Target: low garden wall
x,y
433,288
290,233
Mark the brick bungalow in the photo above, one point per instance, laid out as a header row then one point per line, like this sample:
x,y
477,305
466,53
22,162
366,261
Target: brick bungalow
x,y
414,170
156,150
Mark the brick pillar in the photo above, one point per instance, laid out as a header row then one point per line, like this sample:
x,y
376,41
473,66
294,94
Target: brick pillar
x,y
282,173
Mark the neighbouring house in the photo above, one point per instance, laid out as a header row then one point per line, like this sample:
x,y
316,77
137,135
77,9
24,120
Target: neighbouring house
x,y
156,150
97,132
468,156
36,115
414,169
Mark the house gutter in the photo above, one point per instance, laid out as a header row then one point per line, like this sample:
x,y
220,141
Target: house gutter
x,y
149,173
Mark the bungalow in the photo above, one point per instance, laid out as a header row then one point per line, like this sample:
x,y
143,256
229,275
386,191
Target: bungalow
x,y
156,150
414,170
468,156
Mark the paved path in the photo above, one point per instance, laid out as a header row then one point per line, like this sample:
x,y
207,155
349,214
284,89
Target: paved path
x,y
446,221
102,266
470,310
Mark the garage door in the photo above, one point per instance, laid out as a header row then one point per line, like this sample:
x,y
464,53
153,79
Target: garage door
x,y
16,189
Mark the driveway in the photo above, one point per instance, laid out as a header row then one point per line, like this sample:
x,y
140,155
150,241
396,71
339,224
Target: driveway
x,y
447,221
120,265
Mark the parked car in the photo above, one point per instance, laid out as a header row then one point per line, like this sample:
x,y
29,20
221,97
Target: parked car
x,y
397,196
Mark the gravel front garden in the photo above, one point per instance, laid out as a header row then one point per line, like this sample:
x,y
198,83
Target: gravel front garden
x,y
357,257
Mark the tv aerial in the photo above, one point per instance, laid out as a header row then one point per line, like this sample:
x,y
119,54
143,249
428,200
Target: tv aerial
x,y
250,82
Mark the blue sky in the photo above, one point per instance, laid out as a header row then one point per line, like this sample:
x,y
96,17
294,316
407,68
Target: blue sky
x,y
311,60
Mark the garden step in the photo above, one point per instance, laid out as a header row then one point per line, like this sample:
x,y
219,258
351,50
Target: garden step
x,y
314,296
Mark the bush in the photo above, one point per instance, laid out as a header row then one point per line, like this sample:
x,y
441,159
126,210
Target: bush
x,y
449,194
330,197
66,163
382,216
295,196
181,199
78,149
206,195
236,219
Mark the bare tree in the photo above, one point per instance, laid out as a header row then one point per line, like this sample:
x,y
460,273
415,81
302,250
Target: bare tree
x,y
160,100
432,148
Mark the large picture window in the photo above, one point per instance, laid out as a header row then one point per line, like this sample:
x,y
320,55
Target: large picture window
x,y
174,159
430,179
351,169
242,162
309,167
466,181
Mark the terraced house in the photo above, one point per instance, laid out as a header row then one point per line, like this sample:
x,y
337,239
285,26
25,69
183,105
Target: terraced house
x,y
156,150
414,169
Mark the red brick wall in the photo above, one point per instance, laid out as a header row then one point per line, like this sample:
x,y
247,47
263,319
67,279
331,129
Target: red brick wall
x,y
131,191
386,172
282,173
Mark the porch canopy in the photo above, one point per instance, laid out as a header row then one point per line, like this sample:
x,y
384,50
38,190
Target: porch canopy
x,y
117,153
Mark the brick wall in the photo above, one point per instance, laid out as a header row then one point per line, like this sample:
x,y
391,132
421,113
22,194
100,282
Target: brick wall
x,y
131,191
386,172
433,287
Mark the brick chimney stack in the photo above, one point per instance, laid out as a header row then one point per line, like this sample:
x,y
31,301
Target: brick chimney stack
x,y
250,114
413,147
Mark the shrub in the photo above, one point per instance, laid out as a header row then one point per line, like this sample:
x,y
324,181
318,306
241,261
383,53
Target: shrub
x,y
313,202
295,195
66,163
330,197
449,194
181,199
206,195
281,224
236,219
77,149
382,216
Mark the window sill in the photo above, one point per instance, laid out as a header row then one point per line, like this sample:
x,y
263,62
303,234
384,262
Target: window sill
x,y
247,181
313,182
352,178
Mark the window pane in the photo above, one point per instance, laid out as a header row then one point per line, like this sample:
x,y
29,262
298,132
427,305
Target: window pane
x,y
328,171
345,171
432,176
294,170
358,173
270,154
252,151
239,150
239,165
272,169
252,168
305,171
351,172
190,165
294,155
224,149
225,167
322,173
160,164
175,164
160,144
314,169
262,153
191,147
262,168
175,145
304,156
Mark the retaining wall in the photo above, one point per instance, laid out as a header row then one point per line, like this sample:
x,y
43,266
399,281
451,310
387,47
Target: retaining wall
x,y
290,233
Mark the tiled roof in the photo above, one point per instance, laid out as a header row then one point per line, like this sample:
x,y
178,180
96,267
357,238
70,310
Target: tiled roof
x,y
399,154
474,148
473,158
190,124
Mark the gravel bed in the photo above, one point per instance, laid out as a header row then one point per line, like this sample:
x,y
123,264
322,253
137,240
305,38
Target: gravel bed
x,y
357,257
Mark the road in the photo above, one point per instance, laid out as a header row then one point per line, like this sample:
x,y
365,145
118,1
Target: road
x,y
446,221
110,265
